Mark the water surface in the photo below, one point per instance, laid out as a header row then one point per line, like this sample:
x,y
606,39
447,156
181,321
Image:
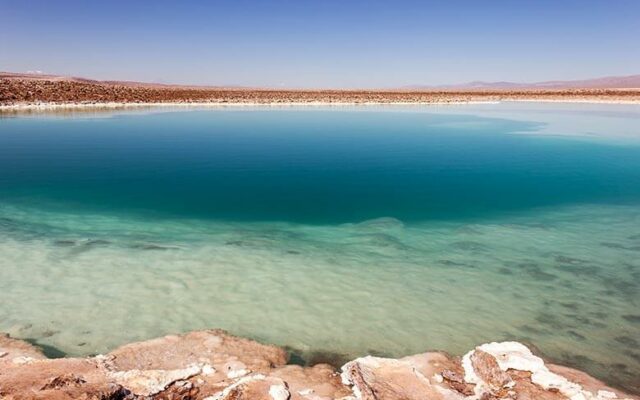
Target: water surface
x,y
336,232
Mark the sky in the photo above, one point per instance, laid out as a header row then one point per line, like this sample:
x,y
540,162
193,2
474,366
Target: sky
x,y
323,43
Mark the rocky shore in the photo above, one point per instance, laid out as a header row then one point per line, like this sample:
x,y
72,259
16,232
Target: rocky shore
x,y
28,92
213,365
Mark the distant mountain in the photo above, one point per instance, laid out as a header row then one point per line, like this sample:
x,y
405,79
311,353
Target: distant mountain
x,y
609,82
61,78
41,76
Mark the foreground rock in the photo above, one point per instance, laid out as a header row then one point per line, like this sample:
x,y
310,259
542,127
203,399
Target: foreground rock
x,y
213,365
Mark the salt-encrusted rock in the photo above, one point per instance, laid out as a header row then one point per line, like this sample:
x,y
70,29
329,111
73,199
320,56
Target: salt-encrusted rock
x,y
585,380
279,391
214,359
58,379
223,352
25,373
151,381
409,378
487,368
254,387
235,369
529,376
320,382
454,379
486,375
213,365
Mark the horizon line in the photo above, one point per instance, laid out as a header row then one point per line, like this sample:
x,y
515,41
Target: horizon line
x,y
602,82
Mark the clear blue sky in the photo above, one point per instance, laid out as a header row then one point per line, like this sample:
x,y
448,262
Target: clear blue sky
x,y
322,43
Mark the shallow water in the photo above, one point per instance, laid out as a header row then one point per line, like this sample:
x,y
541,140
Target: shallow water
x,y
336,232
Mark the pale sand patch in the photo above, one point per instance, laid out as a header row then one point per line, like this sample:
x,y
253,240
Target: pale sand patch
x,y
118,105
125,105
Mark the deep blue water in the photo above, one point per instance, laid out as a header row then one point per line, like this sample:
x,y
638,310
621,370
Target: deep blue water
x,y
308,166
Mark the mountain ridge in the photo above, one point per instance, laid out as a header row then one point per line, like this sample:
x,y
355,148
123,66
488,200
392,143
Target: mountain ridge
x,y
606,82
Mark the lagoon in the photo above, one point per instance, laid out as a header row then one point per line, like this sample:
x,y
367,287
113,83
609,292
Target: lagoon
x,y
337,232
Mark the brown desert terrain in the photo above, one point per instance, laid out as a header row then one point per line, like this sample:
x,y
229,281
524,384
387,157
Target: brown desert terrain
x,y
26,90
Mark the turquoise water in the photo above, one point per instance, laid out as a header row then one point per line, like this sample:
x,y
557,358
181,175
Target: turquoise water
x,y
336,232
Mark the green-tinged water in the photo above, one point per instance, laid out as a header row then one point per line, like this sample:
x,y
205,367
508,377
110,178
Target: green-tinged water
x,y
336,232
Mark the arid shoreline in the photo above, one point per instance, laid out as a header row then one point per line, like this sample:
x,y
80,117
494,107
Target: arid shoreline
x,y
18,94
96,106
